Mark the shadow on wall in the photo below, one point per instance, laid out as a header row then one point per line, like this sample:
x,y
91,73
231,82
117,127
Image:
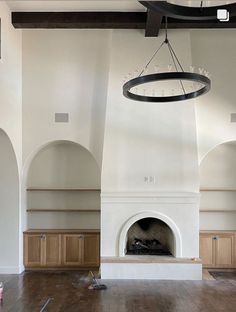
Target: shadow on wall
x,y
9,207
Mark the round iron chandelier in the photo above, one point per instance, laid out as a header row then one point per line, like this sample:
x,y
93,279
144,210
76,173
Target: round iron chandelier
x,y
201,13
200,82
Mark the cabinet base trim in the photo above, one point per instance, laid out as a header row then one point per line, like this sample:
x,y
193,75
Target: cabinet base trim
x,y
61,269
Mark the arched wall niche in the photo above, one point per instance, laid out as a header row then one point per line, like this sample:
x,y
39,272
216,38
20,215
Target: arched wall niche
x,y
9,206
66,162
218,167
62,165
177,241
218,188
214,147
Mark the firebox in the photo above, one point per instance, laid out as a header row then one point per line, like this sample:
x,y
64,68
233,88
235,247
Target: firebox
x,y
150,236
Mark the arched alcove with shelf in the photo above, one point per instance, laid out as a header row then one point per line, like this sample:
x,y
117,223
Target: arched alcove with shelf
x,y
218,188
63,188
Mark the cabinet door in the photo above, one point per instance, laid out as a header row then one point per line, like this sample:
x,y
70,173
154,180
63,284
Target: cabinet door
x,y
72,249
207,250
91,250
52,250
33,250
224,250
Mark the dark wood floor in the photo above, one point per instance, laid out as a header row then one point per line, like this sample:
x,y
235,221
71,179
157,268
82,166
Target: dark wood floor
x,y
28,292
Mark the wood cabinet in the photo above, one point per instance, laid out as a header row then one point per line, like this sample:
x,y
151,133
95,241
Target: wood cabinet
x,y
33,250
91,250
65,249
52,250
81,249
207,250
217,249
41,250
72,249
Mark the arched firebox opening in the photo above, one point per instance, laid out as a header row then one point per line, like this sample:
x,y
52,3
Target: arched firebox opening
x,y
150,236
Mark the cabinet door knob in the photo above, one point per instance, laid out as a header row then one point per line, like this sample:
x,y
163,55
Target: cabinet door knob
x,y
215,237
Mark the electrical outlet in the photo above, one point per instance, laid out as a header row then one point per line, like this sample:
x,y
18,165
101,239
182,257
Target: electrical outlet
x,y
152,179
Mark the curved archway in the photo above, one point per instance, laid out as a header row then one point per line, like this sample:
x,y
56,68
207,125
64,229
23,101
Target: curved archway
x,y
214,147
218,185
31,157
60,150
150,214
9,206
62,165
219,166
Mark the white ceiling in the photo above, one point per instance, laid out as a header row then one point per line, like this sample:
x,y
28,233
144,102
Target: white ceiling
x,y
75,5
94,5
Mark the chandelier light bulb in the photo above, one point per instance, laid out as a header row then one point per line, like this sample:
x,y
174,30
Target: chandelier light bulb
x,y
156,68
169,67
201,70
191,69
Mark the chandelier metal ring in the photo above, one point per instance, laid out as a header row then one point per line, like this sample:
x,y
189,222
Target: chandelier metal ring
x,y
187,12
193,77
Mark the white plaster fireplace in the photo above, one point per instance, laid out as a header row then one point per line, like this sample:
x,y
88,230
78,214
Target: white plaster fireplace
x,y
143,141
178,210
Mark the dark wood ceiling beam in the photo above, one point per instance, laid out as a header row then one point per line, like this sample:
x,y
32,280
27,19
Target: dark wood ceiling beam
x,y
107,20
100,20
153,23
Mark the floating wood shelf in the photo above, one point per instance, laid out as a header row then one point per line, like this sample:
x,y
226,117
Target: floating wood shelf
x,y
217,210
217,190
63,189
63,210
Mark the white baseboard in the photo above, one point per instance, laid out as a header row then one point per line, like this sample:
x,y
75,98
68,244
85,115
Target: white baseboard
x,y
10,270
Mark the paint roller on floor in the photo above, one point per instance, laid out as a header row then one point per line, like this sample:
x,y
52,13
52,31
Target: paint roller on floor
x,y
95,284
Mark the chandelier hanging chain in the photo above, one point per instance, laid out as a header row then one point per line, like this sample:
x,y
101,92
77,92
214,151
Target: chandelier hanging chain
x,y
146,66
172,53
176,68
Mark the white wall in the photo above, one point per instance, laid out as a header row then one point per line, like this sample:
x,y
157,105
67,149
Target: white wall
x,y
10,141
63,165
218,170
9,207
10,81
64,71
144,139
215,50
